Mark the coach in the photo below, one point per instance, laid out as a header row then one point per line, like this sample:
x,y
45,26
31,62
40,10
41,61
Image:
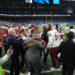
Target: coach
x,y
13,43
33,53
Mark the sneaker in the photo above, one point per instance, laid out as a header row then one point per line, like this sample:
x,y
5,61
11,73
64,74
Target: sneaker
x,y
61,66
21,73
53,69
58,69
28,73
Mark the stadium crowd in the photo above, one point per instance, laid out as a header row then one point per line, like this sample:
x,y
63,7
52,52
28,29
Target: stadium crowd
x,y
29,42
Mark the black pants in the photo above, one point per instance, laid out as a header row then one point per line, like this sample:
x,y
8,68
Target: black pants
x,y
22,61
45,57
0,52
14,66
34,67
67,70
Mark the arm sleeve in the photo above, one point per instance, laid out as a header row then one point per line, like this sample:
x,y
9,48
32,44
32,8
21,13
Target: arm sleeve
x,y
4,59
51,40
12,42
41,46
25,44
26,41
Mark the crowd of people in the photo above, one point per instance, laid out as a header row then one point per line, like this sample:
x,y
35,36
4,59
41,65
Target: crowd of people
x,y
29,42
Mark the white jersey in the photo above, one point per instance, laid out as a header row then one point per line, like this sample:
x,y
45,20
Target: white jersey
x,y
61,36
23,37
66,29
72,30
54,39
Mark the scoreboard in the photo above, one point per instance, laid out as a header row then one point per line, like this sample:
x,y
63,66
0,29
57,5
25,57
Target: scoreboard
x,y
68,0
43,1
56,1
28,1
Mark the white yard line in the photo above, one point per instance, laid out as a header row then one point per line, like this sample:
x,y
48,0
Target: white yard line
x,y
6,71
47,71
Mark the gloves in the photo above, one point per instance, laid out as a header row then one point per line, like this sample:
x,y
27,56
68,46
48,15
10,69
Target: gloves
x,y
59,55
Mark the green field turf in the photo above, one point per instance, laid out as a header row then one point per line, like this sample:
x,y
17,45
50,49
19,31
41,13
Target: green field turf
x,y
7,64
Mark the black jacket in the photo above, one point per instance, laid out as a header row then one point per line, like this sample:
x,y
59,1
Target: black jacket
x,y
67,50
13,42
22,51
44,36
